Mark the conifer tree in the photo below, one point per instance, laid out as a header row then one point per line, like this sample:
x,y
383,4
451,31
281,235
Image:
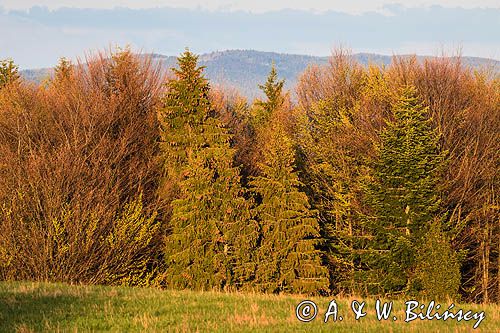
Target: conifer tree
x,y
273,90
212,234
186,107
260,114
64,70
437,274
9,72
403,193
288,259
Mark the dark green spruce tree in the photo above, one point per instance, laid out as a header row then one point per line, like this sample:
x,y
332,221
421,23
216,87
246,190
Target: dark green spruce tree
x,y
403,194
212,233
288,258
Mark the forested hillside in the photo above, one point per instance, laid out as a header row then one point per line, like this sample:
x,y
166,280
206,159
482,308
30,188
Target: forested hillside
x,y
372,180
244,70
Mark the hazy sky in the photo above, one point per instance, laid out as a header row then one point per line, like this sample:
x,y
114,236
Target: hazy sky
x,y
351,6
38,36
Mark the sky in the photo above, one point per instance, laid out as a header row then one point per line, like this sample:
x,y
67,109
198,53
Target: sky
x,y
350,6
37,33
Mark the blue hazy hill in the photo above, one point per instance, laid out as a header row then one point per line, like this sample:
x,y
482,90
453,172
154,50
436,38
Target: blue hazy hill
x,y
246,69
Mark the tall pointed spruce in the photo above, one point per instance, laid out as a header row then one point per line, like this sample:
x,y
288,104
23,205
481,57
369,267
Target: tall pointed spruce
x,y
211,230
273,90
288,259
403,195
186,106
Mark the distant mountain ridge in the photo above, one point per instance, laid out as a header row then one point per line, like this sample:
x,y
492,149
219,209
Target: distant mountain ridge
x,y
246,69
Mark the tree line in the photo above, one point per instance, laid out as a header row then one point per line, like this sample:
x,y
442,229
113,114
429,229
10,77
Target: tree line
x,y
365,180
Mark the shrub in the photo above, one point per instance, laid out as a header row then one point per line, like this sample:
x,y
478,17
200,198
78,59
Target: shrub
x,y
79,173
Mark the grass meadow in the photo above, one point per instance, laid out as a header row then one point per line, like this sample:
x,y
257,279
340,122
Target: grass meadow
x,y
50,307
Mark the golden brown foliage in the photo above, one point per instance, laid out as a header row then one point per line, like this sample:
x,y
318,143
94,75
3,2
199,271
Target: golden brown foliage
x,y
78,166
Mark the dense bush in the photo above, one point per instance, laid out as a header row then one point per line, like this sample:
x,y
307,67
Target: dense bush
x,y
78,166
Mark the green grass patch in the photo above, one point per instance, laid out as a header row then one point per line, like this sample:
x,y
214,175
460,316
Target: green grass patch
x,y
50,307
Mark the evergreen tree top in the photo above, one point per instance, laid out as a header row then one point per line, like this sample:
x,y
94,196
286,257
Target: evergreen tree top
x,y
410,137
273,89
188,92
188,66
409,105
64,69
9,72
